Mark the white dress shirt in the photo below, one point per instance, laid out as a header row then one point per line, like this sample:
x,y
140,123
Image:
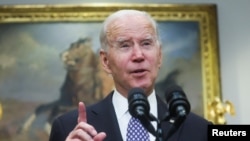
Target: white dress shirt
x,y
123,116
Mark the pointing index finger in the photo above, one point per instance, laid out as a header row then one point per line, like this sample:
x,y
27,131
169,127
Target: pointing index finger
x,y
81,112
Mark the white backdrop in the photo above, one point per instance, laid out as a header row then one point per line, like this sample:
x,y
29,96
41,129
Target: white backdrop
x,y
234,44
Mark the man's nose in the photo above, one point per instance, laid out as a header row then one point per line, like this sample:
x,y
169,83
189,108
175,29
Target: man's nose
x,y
137,53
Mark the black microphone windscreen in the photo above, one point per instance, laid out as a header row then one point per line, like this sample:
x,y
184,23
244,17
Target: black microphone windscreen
x,y
176,99
138,104
171,89
178,106
136,90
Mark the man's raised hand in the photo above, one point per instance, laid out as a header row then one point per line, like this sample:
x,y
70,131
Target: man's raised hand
x,y
84,131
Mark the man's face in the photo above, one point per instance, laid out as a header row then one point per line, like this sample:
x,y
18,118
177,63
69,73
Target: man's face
x,y
134,56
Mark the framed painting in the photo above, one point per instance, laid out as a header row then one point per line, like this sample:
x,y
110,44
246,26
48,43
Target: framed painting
x,y
49,60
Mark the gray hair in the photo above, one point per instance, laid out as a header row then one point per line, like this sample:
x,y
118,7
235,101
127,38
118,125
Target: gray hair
x,y
118,14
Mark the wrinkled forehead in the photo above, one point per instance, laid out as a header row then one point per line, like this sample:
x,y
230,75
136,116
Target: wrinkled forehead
x,y
133,25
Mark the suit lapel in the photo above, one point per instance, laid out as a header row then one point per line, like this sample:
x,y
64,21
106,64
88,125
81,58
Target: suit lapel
x,y
102,116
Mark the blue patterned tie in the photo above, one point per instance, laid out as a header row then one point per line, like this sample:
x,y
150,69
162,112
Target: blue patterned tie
x,y
136,132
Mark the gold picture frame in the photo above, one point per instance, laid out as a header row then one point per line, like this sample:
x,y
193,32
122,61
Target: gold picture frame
x,y
204,16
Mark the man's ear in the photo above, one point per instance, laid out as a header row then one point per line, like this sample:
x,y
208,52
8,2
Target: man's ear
x,y
104,61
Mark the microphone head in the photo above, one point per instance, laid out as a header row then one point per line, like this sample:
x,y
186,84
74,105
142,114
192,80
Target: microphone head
x,y
176,100
138,103
171,89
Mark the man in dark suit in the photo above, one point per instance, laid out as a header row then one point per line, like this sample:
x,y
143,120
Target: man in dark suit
x,y
131,54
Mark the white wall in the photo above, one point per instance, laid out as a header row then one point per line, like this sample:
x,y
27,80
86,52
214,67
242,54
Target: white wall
x,y
234,44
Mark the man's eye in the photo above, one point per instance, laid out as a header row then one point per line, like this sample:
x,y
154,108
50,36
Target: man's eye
x,y
146,43
124,45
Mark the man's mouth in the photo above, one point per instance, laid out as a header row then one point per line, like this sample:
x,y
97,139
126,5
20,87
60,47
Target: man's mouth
x,y
139,71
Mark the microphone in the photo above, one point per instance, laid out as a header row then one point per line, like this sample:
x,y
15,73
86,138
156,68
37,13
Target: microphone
x,y
138,103
139,108
177,101
179,107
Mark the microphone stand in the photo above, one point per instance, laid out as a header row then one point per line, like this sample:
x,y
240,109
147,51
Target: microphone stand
x,y
174,125
159,132
146,122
